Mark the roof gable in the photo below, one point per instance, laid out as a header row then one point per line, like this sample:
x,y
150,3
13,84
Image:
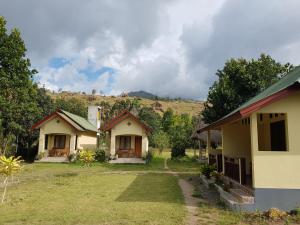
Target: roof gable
x,y
121,117
77,122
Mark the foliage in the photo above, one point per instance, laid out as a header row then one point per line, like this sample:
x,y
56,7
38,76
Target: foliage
x,y
275,214
18,94
8,167
238,81
72,157
207,170
177,151
72,105
161,140
86,157
100,155
149,156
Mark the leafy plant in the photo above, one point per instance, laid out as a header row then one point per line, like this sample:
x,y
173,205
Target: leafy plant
x,y
8,167
207,170
72,157
100,155
149,155
177,151
86,157
161,140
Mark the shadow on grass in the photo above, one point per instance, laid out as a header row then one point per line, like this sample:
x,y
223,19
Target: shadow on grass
x,y
152,188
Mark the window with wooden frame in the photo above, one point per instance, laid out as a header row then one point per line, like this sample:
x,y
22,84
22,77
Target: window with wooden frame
x,y
125,142
60,141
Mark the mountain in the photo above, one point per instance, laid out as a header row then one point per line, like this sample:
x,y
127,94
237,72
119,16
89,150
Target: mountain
x,y
142,94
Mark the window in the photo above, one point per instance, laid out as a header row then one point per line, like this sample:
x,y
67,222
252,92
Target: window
x,y
272,132
125,142
46,142
59,141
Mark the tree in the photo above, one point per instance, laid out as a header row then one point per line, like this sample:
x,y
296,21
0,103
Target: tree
x,y
240,80
167,120
17,90
72,105
161,140
94,91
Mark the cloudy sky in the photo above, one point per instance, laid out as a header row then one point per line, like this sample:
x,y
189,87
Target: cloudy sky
x,y
166,47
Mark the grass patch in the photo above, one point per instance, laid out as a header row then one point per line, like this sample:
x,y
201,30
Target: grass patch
x,y
91,198
184,164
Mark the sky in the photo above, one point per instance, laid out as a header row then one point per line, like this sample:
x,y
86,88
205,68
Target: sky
x,y
166,47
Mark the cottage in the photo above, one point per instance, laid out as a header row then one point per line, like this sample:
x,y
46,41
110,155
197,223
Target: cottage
x,y
63,133
260,155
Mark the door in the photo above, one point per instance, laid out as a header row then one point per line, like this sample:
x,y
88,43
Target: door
x,y
278,141
138,146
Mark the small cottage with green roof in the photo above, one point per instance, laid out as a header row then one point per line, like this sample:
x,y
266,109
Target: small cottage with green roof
x,y
62,133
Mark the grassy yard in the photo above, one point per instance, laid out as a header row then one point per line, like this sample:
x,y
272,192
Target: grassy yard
x,y
91,198
52,193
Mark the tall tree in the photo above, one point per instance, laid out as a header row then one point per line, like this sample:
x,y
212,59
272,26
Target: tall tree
x,y
17,90
238,81
72,105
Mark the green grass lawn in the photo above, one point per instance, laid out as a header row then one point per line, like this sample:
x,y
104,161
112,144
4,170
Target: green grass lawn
x,y
91,198
58,193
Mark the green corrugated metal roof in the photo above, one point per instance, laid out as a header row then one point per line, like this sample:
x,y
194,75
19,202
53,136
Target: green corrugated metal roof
x,y
84,123
286,81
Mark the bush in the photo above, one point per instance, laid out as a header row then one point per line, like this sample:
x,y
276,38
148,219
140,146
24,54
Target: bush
x,y
177,152
100,155
207,170
149,156
72,157
86,157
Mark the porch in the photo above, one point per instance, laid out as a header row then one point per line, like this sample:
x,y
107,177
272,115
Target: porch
x,y
128,146
57,145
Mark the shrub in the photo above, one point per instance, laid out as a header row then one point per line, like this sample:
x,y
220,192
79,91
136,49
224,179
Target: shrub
x,y
86,157
72,157
149,155
100,155
275,214
177,152
207,170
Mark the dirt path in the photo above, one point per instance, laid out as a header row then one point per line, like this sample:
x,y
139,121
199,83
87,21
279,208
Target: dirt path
x,y
190,202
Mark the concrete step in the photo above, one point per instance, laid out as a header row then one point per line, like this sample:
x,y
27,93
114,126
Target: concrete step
x,y
242,195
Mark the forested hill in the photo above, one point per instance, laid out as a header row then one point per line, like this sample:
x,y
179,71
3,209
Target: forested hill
x,y
179,106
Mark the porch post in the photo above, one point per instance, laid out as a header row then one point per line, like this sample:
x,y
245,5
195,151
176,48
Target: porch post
x,y
112,144
208,144
254,142
72,143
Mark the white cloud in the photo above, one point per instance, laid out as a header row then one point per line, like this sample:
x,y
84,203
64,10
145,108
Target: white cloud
x,y
168,47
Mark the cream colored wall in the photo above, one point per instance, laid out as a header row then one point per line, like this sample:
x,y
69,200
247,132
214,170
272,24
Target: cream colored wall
x,y
87,140
278,169
236,142
124,129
